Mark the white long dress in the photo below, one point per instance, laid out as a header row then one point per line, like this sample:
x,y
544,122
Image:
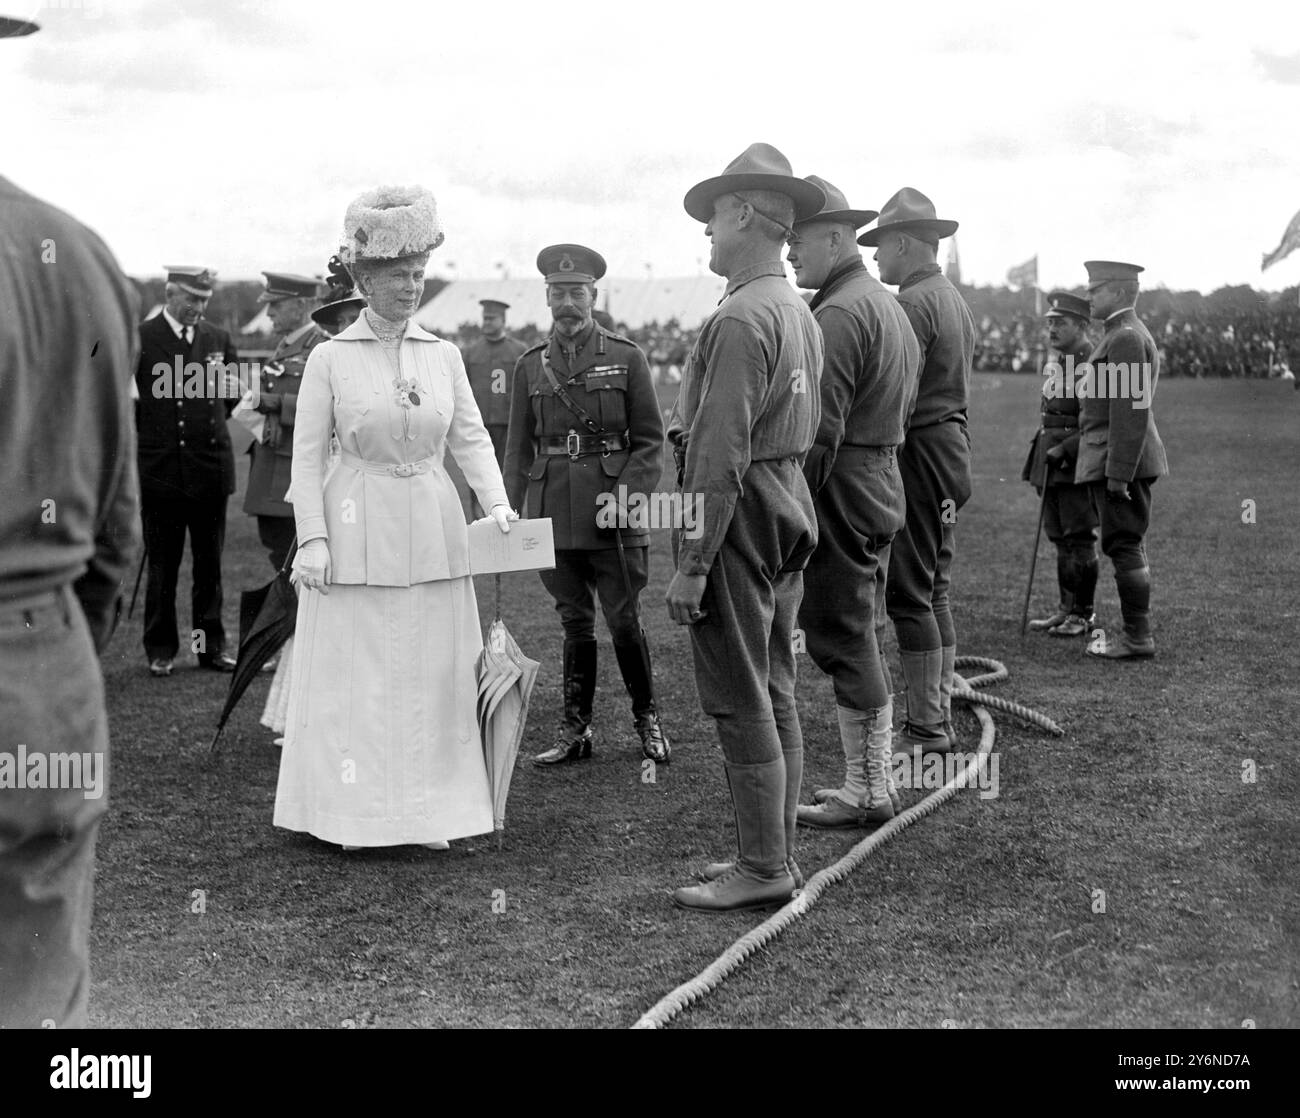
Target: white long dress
x,y
381,743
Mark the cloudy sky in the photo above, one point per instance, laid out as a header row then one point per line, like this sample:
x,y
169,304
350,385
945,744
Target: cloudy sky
x,y
234,133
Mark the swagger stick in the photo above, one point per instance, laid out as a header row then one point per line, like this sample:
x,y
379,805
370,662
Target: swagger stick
x,y
1033,561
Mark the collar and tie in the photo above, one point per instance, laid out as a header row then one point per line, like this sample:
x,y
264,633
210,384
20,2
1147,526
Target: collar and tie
x,y
187,336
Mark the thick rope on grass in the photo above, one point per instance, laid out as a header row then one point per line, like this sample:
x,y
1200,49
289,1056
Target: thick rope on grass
x,y
730,960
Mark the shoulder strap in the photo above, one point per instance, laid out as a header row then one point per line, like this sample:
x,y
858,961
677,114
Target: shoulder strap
x,y
584,416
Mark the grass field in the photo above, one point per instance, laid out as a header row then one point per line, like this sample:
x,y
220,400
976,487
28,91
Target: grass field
x,y
984,914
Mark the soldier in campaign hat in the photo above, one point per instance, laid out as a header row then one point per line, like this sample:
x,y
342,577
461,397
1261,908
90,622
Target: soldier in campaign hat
x,y
742,425
935,462
288,299
868,383
1120,452
187,466
1068,516
585,437
490,362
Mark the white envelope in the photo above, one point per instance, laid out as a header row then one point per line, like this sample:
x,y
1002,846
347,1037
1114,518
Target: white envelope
x,y
528,546
249,418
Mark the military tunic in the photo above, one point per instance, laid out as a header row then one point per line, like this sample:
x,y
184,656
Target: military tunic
x,y
1068,516
607,375
491,368
744,420
272,466
868,383
1118,438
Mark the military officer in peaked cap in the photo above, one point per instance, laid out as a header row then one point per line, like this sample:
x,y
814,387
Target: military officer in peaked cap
x,y
289,302
585,437
1068,516
935,462
742,425
868,383
1120,452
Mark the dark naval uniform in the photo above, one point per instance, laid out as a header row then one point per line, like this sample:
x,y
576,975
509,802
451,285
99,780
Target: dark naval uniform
x,y
1068,516
1118,441
490,366
271,469
577,476
187,472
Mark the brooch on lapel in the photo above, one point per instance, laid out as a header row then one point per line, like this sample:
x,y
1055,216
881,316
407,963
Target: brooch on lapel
x,y
407,394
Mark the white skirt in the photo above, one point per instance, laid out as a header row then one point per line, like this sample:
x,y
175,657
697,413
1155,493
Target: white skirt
x,y
381,740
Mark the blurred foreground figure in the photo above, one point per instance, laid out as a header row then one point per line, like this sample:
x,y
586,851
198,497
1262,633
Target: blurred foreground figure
x,y
68,527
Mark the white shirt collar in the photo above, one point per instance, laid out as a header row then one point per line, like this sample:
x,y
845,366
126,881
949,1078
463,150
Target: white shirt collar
x,y
177,328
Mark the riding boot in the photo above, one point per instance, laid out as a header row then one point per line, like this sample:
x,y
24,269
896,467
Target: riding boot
x,y
635,668
574,738
1134,588
761,876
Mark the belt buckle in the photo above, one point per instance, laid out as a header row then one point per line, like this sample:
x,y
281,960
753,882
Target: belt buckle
x,y
406,469
573,445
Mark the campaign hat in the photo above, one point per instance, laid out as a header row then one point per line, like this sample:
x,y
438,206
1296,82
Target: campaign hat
x,y
908,211
837,208
758,167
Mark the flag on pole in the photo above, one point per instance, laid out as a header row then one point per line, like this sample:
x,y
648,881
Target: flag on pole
x,y
1038,303
953,270
1290,242
1024,275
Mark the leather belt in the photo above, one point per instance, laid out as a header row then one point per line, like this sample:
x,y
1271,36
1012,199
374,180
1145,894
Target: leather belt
x,y
1065,421
577,446
392,469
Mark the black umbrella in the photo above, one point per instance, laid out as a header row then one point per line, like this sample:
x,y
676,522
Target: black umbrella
x,y
267,617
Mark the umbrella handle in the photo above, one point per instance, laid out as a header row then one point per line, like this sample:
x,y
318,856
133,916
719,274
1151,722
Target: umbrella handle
x,y
288,558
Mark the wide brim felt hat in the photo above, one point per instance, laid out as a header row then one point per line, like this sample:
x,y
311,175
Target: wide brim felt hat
x,y
758,167
837,208
908,211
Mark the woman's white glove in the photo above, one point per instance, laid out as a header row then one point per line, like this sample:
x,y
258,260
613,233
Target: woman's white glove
x,y
311,566
502,514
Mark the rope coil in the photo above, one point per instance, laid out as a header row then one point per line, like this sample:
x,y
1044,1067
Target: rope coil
x,y
730,960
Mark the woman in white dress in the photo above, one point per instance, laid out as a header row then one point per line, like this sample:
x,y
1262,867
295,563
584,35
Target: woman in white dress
x,y
382,744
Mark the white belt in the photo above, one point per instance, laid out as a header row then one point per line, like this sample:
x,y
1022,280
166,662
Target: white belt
x,y
392,469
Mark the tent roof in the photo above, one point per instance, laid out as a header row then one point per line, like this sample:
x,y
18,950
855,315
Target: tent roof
x,y
636,302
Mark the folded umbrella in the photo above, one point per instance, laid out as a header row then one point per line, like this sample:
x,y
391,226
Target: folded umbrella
x,y
267,617
505,683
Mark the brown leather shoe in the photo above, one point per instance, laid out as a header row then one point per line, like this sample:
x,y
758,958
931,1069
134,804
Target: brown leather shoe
x,y
735,891
1073,626
715,870
218,662
895,800
1121,647
160,667
1046,624
835,813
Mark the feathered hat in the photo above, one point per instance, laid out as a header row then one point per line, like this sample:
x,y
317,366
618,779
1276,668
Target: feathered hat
x,y
389,222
